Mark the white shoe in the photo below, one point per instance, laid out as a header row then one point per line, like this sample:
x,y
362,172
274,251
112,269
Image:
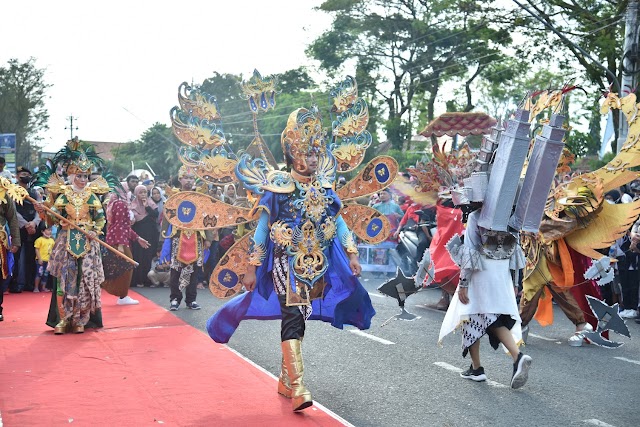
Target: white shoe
x,y
127,301
628,314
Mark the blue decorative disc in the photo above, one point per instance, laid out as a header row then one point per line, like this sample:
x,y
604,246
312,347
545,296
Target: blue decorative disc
x,y
382,173
374,228
227,278
186,211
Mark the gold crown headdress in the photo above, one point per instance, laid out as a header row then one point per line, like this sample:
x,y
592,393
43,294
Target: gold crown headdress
x,y
303,134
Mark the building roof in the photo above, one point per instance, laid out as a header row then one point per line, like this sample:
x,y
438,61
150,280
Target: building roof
x,y
464,124
104,149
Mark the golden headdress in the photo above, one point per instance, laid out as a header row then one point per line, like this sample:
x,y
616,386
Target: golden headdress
x,y
303,134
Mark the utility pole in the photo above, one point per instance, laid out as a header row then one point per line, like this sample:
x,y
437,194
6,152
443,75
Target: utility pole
x,y
70,127
630,64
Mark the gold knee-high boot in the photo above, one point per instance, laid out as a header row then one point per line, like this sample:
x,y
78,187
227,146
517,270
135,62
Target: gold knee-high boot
x,y
300,396
63,324
284,386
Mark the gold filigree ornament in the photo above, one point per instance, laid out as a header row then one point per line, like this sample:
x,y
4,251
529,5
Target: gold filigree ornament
x,y
328,228
195,132
344,95
260,92
303,134
198,103
576,199
281,233
217,169
15,192
308,259
314,199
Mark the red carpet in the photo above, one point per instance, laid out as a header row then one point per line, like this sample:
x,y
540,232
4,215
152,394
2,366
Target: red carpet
x,y
146,366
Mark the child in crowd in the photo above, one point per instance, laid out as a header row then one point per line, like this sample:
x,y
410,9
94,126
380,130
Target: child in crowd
x,y
43,246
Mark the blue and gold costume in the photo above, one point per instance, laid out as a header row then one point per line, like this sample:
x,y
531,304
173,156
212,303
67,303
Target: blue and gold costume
x,y
302,251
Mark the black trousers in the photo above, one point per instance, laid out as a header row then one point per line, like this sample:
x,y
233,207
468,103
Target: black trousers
x,y
191,291
293,322
24,267
629,281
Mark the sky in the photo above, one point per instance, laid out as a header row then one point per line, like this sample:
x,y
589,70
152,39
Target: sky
x,y
116,66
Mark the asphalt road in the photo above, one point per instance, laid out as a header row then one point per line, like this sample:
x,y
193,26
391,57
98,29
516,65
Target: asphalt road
x,y
397,375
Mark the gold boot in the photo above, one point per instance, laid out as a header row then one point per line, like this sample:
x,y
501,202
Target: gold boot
x,y
61,327
63,324
284,386
78,329
300,396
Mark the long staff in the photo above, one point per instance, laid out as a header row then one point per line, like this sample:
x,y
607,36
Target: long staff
x,y
60,217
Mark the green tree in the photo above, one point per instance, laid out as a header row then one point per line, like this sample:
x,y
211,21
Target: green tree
x,y
595,26
157,146
408,49
22,106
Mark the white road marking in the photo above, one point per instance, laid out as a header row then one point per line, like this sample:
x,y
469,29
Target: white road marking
x,y
371,337
315,406
540,337
458,370
595,422
624,359
377,295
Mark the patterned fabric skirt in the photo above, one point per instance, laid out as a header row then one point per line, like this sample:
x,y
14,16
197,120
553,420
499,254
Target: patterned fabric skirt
x,y
79,279
117,272
480,324
281,278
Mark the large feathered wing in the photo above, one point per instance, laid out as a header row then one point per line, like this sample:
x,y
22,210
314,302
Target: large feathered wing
x,y
611,223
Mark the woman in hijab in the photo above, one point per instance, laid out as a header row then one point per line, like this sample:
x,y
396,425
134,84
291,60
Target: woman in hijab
x,y
145,217
119,235
157,197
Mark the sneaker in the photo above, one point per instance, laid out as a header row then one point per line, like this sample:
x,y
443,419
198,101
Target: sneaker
x,y
520,370
474,374
127,301
174,305
629,314
1,317
193,306
36,290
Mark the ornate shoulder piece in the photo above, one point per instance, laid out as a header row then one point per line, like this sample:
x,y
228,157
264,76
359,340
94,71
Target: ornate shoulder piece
x,y
257,176
56,185
378,174
99,186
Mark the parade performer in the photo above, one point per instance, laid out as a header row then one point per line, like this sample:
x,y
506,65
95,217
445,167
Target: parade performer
x,y
303,258
300,262
490,256
484,303
577,223
76,260
429,185
9,237
184,248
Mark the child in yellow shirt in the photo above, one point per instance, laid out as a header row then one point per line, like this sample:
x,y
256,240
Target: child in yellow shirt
x,y
43,246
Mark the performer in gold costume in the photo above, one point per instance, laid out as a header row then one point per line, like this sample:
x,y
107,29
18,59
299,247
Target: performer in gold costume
x,y
76,261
